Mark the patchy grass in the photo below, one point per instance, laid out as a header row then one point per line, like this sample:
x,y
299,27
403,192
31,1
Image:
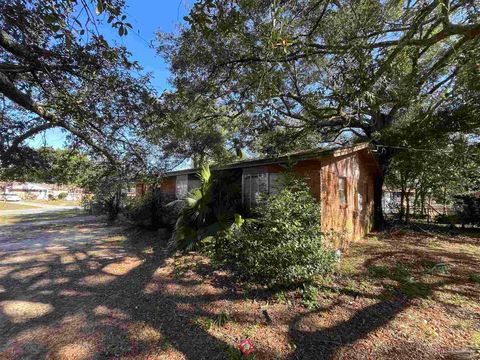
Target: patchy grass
x,y
44,216
474,278
119,295
4,205
57,202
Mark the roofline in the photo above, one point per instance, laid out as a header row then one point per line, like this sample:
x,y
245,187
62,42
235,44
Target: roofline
x,y
306,155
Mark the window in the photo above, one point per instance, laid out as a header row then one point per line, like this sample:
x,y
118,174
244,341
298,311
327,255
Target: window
x,y
193,183
359,201
254,185
342,190
250,189
181,186
274,183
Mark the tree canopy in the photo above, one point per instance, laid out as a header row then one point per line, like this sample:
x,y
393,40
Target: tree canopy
x,y
307,71
56,166
297,74
58,71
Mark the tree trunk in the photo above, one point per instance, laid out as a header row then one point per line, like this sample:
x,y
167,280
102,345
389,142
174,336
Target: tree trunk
x,y
444,201
407,211
379,220
384,162
402,206
422,203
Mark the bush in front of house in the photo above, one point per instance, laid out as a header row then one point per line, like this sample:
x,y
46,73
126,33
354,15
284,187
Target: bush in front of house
x,y
467,209
447,219
207,209
150,210
282,246
62,195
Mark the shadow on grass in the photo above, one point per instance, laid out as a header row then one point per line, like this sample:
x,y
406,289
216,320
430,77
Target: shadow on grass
x,y
41,216
98,298
410,271
107,296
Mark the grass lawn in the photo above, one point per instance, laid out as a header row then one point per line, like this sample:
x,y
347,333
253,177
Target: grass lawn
x,y
4,205
44,216
57,202
117,294
405,295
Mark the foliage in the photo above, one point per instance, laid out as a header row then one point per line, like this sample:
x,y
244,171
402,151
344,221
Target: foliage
x,y
467,208
447,219
108,197
430,167
62,195
182,130
192,220
282,246
309,296
208,208
221,319
293,71
290,75
48,165
474,278
58,71
151,210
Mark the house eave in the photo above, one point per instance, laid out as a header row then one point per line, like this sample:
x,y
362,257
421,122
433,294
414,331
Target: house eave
x,y
284,159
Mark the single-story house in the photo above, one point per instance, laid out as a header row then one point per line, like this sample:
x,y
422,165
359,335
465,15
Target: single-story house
x,y
27,191
342,181
41,191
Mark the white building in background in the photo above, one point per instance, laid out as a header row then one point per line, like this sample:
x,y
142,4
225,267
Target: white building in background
x,y
36,191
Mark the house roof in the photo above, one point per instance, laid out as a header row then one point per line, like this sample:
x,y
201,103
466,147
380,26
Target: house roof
x,y
28,187
284,158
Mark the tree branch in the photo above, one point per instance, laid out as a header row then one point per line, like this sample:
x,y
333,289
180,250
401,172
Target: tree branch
x,y
25,101
19,139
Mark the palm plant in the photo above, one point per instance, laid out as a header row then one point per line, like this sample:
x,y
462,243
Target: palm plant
x,y
192,222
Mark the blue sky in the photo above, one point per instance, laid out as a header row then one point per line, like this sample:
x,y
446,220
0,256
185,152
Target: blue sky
x,y
147,17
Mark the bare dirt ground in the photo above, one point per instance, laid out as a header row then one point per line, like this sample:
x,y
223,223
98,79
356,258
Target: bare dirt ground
x,y
82,289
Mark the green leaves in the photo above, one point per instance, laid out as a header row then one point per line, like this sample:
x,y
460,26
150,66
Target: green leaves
x,y
99,8
282,246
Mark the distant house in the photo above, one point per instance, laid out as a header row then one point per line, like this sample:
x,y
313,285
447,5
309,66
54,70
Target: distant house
x,y
41,191
27,190
342,180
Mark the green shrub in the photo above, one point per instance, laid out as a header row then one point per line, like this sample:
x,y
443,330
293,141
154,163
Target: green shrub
x,y
309,296
282,246
474,278
207,209
467,208
62,195
150,210
108,197
447,219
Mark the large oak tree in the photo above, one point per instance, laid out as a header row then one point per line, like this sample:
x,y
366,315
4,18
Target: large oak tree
x,y
58,71
297,73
